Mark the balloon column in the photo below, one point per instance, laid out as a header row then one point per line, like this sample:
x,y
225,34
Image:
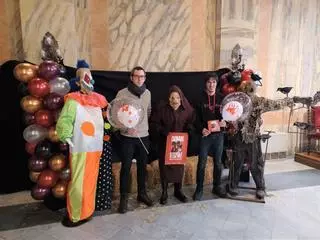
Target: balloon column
x,y
42,90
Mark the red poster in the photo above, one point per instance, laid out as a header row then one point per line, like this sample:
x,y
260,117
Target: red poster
x,y
176,148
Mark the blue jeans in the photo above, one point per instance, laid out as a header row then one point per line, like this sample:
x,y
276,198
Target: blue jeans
x,y
213,144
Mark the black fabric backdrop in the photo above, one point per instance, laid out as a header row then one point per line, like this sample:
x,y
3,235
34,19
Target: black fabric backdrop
x,y
14,175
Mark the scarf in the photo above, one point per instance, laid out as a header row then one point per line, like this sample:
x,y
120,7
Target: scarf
x,y
135,90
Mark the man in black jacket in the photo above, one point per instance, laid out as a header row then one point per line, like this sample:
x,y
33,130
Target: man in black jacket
x,y
208,113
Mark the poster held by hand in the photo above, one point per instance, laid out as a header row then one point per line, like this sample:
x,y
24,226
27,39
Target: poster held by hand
x,y
176,148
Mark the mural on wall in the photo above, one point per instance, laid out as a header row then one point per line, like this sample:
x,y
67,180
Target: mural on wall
x,y
15,26
239,25
10,34
294,52
210,34
154,34
68,21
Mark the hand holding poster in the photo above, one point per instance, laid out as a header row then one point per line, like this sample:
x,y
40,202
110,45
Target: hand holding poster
x,y
176,148
214,126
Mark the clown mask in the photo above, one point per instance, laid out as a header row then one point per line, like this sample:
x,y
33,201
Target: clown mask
x,y
85,80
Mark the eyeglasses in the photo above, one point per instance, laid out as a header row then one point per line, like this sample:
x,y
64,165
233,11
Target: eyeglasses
x,y
139,76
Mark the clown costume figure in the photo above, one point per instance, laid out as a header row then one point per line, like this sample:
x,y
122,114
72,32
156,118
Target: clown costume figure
x,y
81,125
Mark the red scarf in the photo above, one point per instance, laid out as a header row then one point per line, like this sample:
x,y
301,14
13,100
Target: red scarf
x,y
212,106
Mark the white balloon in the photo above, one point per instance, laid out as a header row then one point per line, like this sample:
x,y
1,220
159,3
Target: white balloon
x,y
128,115
60,86
232,111
236,106
35,133
125,113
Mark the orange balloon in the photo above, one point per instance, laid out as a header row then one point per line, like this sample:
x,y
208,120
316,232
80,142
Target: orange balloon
x,y
60,189
24,72
30,104
57,162
34,176
53,135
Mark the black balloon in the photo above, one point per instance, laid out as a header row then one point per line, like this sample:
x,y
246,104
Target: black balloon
x,y
64,147
234,77
29,118
39,193
44,149
53,101
36,164
65,174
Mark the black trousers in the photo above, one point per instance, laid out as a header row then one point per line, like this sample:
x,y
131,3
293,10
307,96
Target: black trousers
x,y
133,149
252,152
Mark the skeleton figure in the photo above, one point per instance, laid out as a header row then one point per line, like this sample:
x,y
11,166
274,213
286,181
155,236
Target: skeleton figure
x,y
247,142
50,49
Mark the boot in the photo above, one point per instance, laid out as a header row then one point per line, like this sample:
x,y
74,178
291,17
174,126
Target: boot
x,y
219,191
123,206
164,195
197,196
143,197
179,194
260,193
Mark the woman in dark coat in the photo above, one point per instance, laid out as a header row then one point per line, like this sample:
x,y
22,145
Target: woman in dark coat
x,y
174,115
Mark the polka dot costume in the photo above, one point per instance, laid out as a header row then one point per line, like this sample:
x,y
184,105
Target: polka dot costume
x,y
105,181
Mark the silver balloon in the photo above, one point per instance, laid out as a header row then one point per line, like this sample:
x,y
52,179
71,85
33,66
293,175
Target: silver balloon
x,y
236,99
60,86
35,133
125,113
65,174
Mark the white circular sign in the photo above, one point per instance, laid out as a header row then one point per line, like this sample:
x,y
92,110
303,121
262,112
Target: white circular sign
x,y
128,116
232,111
